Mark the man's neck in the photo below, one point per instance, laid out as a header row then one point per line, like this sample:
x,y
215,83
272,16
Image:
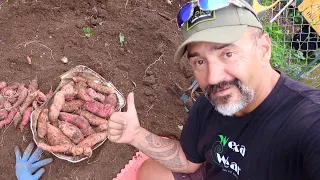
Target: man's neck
x,y
262,92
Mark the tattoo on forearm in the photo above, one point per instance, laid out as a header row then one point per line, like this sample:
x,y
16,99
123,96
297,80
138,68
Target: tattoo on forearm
x,y
157,142
162,154
171,163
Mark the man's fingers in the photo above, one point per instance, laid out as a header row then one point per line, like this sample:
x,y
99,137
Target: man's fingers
x,y
41,163
35,155
18,153
115,132
114,138
28,151
130,103
39,173
114,125
116,117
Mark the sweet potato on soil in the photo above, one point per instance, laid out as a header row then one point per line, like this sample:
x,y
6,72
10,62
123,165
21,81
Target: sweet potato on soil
x,y
93,139
42,123
35,104
69,90
100,88
50,93
9,119
82,92
102,127
26,117
3,114
12,100
42,97
73,105
17,119
13,88
55,108
55,136
2,101
71,131
92,119
67,149
7,105
23,93
3,84
28,101
95,95
78,121
33,86
79,79
112,100
99,109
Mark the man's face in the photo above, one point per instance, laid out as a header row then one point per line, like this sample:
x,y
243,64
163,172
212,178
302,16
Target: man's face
x,y
229,74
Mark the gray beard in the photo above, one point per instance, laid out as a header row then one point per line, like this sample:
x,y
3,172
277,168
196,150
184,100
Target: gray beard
x,y
226,108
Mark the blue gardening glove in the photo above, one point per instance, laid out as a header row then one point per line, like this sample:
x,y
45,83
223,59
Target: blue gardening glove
x,y
26,166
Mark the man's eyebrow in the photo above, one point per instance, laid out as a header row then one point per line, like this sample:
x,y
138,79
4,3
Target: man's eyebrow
x,y
192,54
221,46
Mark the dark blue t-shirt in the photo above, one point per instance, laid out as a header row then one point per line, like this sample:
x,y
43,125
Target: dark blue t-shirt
x,y
279,140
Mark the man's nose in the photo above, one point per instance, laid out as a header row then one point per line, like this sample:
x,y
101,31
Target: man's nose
x,y
216,73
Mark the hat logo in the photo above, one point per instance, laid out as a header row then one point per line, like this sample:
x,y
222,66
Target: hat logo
x,y
200,16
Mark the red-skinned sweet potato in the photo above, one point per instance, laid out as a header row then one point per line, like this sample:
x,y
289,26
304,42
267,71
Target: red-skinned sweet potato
x,y
91,118
55,108
10,117
43,118
23,93
100,88
78,121
33,86
93,139
3,114
71,131
82,92
112,100
55,136
67,149
99,109
95,95
73,105
26,117
3,84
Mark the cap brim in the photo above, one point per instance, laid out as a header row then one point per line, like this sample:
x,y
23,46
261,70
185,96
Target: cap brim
x,y
219,35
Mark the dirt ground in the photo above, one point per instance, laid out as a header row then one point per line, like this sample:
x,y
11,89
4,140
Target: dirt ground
x,y
47,30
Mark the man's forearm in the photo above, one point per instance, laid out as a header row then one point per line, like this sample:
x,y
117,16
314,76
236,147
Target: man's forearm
x,y
167,152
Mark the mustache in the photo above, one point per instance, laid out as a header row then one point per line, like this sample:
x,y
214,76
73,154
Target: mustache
x,y
212,88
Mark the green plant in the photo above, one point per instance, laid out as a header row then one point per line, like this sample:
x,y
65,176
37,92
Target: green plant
x,y
87,31
121,39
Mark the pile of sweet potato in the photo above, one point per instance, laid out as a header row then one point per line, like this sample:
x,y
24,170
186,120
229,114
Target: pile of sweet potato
x,y
76,119
17,101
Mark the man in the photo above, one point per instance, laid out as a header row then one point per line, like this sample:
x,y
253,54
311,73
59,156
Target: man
x,y
252,123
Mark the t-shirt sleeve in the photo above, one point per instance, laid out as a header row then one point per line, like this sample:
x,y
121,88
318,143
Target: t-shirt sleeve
x,y
190,134
311,152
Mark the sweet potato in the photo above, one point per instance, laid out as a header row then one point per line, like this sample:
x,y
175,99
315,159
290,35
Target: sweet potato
x,y
50,93
2,101
73,105
12,100
79,79
28,101
78,121
41,96
35,104
26,117
67,148
69,90
55,136
100,88
3,114
17,118
93,139
9,119
33,86
95,95
82,92
42,123
7,105
99,109
102,127
55,108
112,100
23,93
91,118
3,84
9,93
71,131
13,88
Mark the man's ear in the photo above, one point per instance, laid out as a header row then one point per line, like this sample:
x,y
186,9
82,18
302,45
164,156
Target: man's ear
x,y
265,43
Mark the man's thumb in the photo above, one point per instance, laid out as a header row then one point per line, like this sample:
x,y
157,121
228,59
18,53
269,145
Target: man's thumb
x,y
130,103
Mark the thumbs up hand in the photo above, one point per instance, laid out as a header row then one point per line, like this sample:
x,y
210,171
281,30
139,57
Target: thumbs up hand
x,y
123,127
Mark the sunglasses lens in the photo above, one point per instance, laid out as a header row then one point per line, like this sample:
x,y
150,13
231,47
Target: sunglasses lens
x,y
209,5
184,14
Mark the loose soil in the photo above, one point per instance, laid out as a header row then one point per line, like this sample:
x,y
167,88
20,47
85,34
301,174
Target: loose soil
x,y
47,30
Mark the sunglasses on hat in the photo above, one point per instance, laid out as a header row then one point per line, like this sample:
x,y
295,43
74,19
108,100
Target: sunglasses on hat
x,y
186,11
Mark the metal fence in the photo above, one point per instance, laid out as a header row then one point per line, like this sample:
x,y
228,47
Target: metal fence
x,y
294,27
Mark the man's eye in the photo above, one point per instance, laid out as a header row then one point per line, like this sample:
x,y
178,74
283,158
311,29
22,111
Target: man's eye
x,y
229,54
199,62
